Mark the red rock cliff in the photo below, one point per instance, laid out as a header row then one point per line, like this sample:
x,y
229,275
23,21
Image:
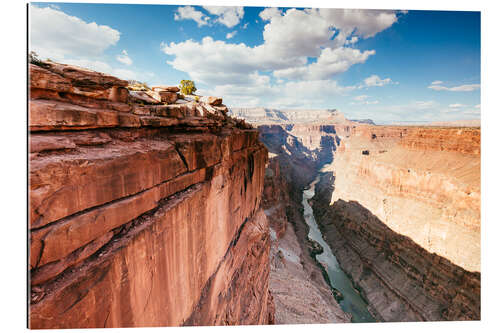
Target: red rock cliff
x,y
141,215
421,182
404,219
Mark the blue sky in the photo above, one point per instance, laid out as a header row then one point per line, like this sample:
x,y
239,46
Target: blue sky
x,y
385,65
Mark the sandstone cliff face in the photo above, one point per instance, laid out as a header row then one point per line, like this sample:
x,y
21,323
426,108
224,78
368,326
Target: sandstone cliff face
x,y
404,219
421,182
264,116
141,215
400,280
301,149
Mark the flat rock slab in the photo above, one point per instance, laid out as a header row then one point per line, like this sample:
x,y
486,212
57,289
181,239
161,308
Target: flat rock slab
x,y
85,78
166,88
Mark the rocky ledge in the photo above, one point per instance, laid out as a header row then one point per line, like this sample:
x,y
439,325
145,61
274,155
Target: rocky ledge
x,y
141,212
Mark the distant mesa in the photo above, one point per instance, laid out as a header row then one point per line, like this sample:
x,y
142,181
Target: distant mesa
x,y
274,116
452,123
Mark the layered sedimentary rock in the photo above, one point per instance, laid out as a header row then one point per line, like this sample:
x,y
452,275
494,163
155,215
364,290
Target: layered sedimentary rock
x,y
301,149
264,116
300,293
421,182
404,216
141,215
404,219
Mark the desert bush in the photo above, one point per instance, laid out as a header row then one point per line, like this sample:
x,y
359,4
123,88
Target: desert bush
x,y
187,87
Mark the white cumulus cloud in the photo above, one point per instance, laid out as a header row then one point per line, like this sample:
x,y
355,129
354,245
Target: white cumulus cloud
x,y
226,15
366,22
190,13
124,58
290,38
56,35
329,63
301,48
375,81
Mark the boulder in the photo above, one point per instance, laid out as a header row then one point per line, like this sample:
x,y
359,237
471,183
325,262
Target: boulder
x,y
153,94
142,96
166,88
168,96
212,100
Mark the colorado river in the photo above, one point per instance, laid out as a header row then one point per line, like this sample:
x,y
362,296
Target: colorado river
x,y
352,302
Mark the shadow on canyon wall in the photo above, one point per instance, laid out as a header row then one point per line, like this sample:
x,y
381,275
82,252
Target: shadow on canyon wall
x,y
400,280
299,163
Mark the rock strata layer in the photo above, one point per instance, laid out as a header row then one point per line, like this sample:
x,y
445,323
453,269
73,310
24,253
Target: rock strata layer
x,y
141,215
404,219
422,182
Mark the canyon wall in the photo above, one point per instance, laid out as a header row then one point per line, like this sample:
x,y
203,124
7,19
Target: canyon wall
x,y
300,293
141,214
400,208
421,182
265,116
301,149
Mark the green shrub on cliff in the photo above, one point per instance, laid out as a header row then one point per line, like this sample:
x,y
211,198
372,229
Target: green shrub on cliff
x,y
187,87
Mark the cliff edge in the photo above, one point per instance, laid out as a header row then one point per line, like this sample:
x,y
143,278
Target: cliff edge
x,y
142,212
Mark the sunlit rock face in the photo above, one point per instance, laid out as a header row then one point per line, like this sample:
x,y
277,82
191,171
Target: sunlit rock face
x,y
400,207
421,182
260,116
141,214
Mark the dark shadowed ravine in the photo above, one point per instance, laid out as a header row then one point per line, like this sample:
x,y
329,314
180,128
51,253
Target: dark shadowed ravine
x,y
352,302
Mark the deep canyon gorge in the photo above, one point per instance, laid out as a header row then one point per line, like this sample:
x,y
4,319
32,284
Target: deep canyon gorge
x,y
170,214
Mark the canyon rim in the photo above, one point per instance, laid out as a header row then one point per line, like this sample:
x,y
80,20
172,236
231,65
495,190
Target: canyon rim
x,y
256,166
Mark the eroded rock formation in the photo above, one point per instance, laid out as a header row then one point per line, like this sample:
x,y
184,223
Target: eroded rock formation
x,y
404,216
421,182
141,214
404,219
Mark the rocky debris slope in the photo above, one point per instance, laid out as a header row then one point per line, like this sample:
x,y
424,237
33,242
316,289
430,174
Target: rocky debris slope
x,y
404,219
141,214
300,293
